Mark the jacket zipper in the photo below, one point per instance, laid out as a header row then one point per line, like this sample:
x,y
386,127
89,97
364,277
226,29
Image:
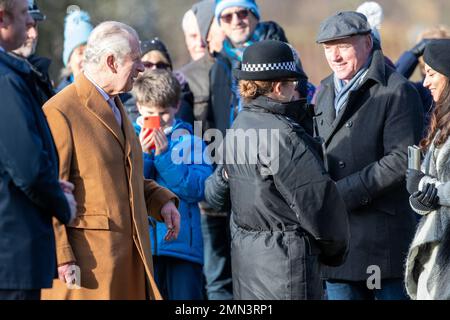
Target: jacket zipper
x,y
190,228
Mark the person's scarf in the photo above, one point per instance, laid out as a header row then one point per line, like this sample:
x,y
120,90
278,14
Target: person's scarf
x,y
235,54
342,90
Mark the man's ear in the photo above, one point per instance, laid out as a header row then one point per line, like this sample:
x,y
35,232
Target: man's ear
x,y
369,41
111,63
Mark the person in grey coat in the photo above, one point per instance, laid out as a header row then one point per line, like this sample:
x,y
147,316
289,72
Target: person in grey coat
x,y
428,265
287,215
368,115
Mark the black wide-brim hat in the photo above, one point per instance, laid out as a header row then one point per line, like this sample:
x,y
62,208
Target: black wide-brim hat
x,y
437,56
268,60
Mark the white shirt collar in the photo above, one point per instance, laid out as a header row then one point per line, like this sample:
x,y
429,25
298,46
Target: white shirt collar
x,y
99,89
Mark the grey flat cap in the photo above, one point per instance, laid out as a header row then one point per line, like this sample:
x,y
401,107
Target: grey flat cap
x,y
343,25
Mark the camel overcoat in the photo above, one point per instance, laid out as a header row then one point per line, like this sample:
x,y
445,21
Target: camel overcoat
x,y
109,239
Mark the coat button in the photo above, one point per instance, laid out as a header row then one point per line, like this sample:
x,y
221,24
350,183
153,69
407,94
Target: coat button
x,y
341,164
349,124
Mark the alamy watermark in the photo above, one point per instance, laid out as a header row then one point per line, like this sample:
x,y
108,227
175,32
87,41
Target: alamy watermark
x,y
374,280
252,146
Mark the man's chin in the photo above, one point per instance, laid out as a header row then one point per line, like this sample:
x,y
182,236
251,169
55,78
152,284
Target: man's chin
x,y
239,39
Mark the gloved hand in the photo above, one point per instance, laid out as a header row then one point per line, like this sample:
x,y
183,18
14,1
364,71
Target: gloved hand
x,y
426,200
419,48
413,179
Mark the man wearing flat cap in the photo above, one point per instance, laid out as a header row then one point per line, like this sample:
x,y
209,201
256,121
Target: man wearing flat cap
x,y
368,115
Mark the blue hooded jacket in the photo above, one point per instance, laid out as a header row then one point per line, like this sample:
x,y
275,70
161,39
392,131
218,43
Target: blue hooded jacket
x,y
187,181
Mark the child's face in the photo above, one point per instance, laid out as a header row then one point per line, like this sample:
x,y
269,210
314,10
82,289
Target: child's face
x,y
166,114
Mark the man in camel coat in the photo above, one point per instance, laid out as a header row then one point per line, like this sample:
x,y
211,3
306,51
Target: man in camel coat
x,y
105,253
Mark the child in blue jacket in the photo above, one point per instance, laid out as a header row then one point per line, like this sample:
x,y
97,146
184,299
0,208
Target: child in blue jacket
x,y
173,157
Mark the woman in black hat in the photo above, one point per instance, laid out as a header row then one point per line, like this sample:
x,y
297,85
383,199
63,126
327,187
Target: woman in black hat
x,y
428,264
287,215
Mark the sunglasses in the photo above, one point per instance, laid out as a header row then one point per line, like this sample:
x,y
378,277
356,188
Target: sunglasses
x,y
158,65
294,82
241,15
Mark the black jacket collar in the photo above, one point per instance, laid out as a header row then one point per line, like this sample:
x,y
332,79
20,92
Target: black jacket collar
x,y
293,109
14,63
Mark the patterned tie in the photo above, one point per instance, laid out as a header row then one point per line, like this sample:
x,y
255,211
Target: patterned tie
x,y
116,111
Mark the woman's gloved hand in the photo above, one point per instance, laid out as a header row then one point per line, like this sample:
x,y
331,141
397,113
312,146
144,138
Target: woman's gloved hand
x,y
413,178
426,200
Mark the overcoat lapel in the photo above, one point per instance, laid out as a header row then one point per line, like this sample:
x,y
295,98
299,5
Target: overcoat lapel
x,y
328,112
333,122
95,103
128,129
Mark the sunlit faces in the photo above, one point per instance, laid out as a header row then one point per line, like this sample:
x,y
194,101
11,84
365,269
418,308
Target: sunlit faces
x,y
284,90
166,114
76,60
347,56
288,90
129,68
29,46
15,25
194,43
155,60
435,82
215,38
238,24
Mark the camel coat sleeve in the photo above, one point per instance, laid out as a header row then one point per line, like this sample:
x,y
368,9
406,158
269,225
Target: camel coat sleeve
x,y
63,142
156,197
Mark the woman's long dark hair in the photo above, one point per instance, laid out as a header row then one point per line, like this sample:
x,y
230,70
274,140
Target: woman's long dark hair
x,y
440,120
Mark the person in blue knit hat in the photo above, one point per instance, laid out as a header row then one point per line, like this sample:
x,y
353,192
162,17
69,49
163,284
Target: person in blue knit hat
x,y
250,5
77,29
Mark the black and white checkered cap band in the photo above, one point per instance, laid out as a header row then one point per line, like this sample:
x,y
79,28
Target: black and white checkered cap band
x,y
289,66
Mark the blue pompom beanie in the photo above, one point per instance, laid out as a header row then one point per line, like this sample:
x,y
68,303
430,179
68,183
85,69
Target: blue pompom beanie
x,y
248,4
77,29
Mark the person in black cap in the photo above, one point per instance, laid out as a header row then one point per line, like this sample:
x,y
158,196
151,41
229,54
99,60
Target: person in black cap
x,y
154,55
368,115
412,59
287,215
39,65
428,263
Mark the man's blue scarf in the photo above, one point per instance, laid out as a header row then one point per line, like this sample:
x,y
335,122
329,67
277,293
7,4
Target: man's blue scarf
x,y
342,90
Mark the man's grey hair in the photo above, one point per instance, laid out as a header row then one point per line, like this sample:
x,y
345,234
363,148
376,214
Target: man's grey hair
x,y
110,37
188,19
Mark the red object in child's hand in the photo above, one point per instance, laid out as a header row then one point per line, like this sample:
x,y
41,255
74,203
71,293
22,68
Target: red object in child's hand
x,y
151,122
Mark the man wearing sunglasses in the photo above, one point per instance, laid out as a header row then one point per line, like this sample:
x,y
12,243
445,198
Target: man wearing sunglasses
x,y
239,20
